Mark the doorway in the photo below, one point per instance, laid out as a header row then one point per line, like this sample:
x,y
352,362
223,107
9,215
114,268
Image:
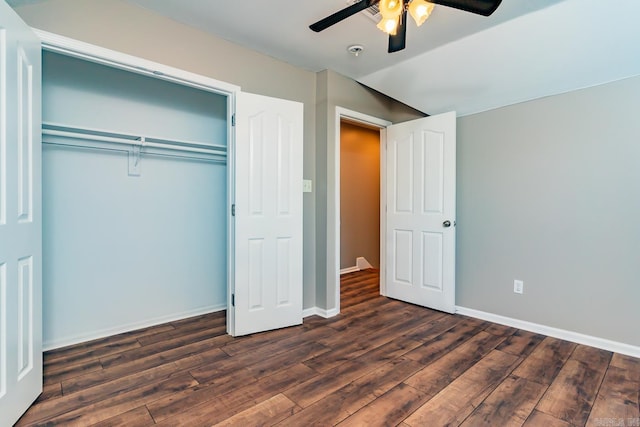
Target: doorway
x,y
359,196
417,187
333,196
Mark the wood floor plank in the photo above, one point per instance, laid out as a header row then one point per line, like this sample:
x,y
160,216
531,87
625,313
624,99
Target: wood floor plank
x,y
521,343
618,397
389,409
138,417
53,407
68,352
202,323
445,342
361,343
65,372
251,342
545,361
500,330
363,317
226,381
109,348
315,389
300,354
105,409
625,362
93,379
238,399
265,413
436,325
162,346
540,419
510,404
456,401
572,393
347,400
439,374
261,356
49,391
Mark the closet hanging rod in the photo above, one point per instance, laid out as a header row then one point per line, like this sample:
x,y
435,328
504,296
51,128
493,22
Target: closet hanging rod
x,y
123,141
218,158
129,139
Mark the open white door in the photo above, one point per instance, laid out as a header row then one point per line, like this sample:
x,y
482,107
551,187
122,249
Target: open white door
x,y
420,215
20,218
268,214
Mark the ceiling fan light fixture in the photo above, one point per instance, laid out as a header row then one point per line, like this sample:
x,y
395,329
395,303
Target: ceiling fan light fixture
x,y
420,10
390,9
389,25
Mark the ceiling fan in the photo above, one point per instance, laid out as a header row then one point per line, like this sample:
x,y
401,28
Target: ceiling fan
x,y
394,15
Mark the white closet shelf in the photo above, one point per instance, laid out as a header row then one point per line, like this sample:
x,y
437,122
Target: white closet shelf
x,y
57,134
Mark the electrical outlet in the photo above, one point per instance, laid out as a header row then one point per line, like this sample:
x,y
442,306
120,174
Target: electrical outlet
x,y
518,286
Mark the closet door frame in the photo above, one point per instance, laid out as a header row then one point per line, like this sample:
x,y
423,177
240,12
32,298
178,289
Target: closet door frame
x,y
88,52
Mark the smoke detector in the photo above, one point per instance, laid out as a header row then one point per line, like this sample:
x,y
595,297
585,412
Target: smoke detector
x,y
355,49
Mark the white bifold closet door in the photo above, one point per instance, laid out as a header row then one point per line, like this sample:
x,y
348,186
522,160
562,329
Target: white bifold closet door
x,y
268,214
20,218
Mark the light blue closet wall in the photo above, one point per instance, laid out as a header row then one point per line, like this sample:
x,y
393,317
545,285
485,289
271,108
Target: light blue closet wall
x,y
124,251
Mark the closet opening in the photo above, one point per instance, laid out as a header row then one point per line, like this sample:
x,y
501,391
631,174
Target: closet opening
x,y
135,183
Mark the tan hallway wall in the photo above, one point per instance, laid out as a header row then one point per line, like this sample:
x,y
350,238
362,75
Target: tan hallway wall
x,y
359,194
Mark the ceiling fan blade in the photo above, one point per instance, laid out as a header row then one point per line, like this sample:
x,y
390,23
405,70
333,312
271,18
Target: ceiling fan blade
x,y
481,7
399,41
325,23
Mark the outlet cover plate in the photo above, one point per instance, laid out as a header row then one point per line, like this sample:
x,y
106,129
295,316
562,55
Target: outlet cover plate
x,y
518,286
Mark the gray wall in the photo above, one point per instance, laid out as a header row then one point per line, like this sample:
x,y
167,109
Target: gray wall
x,y
549,193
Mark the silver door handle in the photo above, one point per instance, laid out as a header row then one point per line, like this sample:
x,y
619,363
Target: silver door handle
x,y
446,224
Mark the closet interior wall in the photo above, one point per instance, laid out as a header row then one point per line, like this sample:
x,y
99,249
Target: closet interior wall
x,y
120,250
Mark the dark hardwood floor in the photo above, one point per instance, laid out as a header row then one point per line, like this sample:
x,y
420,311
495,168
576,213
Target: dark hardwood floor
x,y
380,362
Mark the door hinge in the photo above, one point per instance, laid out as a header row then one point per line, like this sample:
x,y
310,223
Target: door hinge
x,y
233,300
233,120
233,210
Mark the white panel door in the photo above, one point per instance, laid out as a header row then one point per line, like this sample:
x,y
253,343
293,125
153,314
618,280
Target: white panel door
x,y
20,218
420,211
268,214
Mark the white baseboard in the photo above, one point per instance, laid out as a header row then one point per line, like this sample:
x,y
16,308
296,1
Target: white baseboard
x,y
316,311
77,339
361,264
604,344
349,270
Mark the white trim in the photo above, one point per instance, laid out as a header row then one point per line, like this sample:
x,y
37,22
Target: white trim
x,y
333,197
563,334
107,332
349,270
316,311
97,54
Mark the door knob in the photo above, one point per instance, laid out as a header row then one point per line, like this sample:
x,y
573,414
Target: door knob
x,y
446,224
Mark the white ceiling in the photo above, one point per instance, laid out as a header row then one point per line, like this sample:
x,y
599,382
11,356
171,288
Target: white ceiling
x,y
456,61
